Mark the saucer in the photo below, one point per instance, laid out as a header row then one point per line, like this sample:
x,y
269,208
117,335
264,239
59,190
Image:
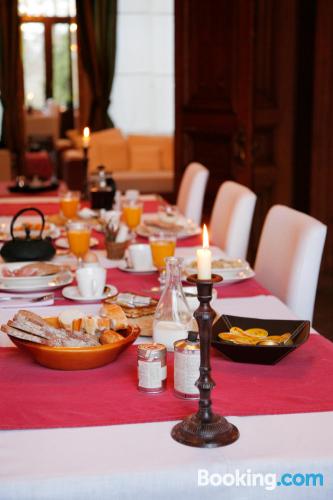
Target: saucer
x,y
124,267
72,293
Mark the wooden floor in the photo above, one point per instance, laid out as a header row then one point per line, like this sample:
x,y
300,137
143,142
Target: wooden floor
x,y
323,315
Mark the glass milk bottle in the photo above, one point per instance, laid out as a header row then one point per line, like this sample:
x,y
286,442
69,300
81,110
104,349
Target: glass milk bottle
x,y
173,317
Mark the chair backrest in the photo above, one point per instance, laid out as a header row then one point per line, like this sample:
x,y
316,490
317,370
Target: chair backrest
x,y
192,191
231,219
289,256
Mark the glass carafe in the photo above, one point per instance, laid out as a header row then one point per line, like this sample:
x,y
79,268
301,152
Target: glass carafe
x,y
173,317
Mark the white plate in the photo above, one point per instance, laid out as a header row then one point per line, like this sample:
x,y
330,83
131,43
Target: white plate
x,y
72,293
23,280
57,281
242,266
51,230
234,276
123,266
190,228
63,243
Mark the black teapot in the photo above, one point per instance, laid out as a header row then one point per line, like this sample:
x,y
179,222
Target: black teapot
x,y
27,248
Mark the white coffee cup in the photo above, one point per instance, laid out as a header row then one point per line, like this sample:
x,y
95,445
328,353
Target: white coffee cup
x,y
132,194
140,257
91,281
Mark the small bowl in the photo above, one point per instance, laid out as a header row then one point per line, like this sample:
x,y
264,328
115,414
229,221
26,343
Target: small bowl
x,y
75,358
259,354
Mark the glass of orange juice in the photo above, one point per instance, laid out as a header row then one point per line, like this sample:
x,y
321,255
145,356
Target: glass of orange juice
x,y
132,212
162,245
78,234
69,204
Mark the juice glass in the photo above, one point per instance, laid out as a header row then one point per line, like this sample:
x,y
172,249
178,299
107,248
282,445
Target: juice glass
x,y
132,211
162,245
78,234
69,204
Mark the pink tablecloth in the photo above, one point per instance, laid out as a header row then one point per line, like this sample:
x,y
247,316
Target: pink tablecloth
x,y
35,397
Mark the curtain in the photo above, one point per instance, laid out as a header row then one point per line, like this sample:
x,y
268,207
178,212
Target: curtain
x,y
11,82
96,21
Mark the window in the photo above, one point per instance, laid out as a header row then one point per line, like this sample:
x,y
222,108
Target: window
x,y
49,51
142,99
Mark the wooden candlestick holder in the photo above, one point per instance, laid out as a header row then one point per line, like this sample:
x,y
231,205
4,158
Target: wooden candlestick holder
x,y
85,189
205,429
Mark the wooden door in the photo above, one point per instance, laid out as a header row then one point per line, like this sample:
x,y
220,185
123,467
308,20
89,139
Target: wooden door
x,y
235,77
213,54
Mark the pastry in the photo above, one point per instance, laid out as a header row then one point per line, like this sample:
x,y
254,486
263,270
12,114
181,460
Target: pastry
x,y
67,317
110,337
116,315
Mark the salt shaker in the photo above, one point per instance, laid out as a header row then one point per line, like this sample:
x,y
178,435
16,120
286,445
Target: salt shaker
x,y
186,366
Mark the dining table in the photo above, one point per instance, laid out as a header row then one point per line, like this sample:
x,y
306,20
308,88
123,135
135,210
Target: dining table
x,y
91,435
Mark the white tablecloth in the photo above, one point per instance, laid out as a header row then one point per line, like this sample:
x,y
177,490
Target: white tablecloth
x,y
122,462
129,461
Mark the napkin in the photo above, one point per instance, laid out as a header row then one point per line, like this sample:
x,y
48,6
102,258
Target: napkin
x,y
17,300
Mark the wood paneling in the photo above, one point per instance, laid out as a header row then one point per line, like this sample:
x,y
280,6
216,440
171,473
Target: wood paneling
x,y
322,143
235,82
213,94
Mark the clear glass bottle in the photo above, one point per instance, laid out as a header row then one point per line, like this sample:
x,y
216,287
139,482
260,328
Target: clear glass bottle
x,y
173,317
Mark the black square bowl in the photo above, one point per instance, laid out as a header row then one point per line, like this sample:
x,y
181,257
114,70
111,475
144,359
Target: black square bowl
x,y
259,354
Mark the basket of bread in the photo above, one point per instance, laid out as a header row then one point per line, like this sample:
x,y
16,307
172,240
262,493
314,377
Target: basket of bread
x,y
72,340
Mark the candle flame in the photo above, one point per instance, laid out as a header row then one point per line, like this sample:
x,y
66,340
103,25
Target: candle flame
x,y
86,132
205,239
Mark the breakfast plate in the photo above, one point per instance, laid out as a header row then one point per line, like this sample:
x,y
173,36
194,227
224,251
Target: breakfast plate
x,y
123,266
183,228
51,283
238,270
50,229
32,273
72,293
63,243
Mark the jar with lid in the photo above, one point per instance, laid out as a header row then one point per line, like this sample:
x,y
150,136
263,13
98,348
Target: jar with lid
x,y
103,191
152,368
186,366
173,317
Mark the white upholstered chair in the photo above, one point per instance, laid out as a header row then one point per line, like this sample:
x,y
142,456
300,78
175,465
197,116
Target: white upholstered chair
x,y
231,219
192,191
289,256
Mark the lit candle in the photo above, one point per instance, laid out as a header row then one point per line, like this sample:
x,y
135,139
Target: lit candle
x,y
204,258
30,98
86,137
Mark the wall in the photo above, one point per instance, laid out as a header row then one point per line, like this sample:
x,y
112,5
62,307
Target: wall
x,y
142,98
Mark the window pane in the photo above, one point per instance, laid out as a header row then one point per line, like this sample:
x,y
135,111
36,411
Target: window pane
x,y
75,71
61,63
47,8
33,63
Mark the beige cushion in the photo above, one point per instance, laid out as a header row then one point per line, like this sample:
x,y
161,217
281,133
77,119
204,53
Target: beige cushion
x,y
144,158
63,144
72,154
163,142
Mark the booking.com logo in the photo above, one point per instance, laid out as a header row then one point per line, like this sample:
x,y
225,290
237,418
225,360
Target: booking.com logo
x,y
269,480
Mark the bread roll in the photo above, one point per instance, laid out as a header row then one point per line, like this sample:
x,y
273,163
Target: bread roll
x,y
110,337
67,317
117,317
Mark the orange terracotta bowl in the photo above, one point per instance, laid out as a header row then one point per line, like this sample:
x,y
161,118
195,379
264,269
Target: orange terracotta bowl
x,y
76,358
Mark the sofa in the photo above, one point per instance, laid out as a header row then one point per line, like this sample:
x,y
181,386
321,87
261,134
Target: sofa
x,y
136,162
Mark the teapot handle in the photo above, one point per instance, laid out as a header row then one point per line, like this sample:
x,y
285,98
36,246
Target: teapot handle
x,y
20,212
